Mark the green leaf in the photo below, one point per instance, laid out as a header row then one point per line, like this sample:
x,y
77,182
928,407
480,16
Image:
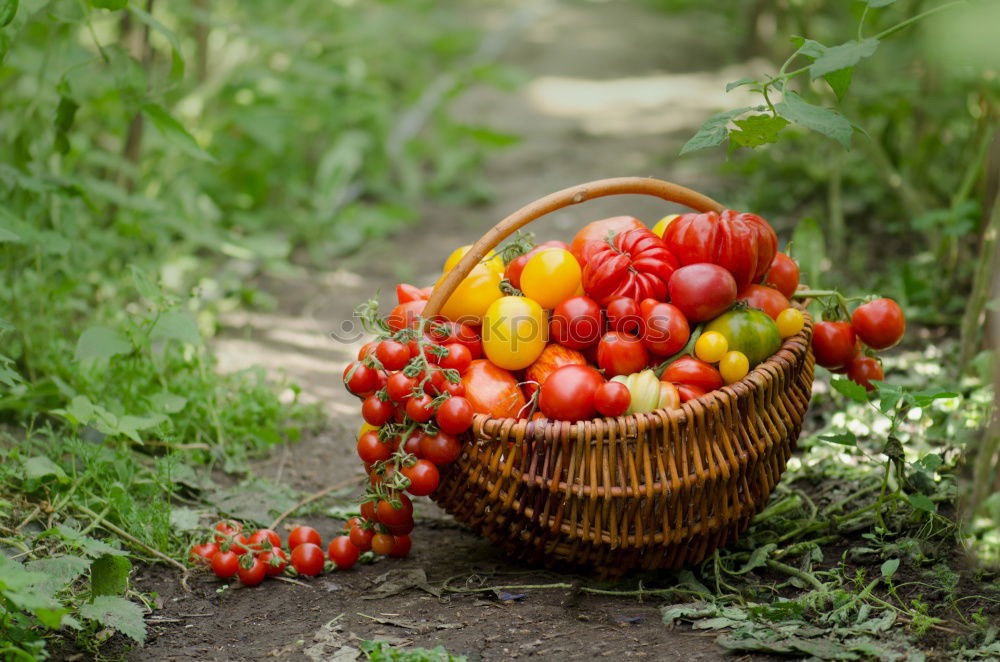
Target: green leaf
x,y
758,558
175,325
924,398
808,47
65,114
185,519
59,571
687,611
921,502
755,131
852,390
130,425
118,613
875,4
844,438
109,4
739,83
889,396
840,81
168,402
89,546
109,575
176,55
146,288
100,342
40,469
9,235
8,8
713,132
822,120
931,462
842,56
175,132
890,567
810,250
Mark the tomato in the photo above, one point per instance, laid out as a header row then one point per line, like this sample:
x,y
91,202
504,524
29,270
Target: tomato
x,y
424,478
734,366
241,544
301,535
661,225
624,316
790,321
612,399
274,561
420,408
202,554
492,391
634,264
227,530
458,358
371,449
834,343
492,260
389,515
644,391
551,359
446,332
711,346
441,448
516,266
688,370
598,230
252,575
259,536
783,275
225,564
568,393
361,538
880,324
689,392
702,291
749,331
405,315
551,277
768,299
576,323
406,293
864,370
412,443
664,330
343,553
367,349
359,378
377,412
669,397
400,387
473,296
514,332
621,354
401,529
438,384
392,355
307,559
383,543
454,416
368,511
400,546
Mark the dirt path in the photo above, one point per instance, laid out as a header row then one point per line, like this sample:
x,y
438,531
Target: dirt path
x,y
611,89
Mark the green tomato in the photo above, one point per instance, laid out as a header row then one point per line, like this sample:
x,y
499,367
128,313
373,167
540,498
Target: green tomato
x,y
749,331
644,389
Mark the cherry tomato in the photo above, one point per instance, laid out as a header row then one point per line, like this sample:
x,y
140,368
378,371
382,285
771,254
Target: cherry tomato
x,y
412,444
664,329
880,324
227,530
611,399
424,478
458,358
401,546
734,366
420,408
361,538
342,552
383,543
598,230
864,370
550,277
552,358
371,449
252,575
702,291
401,529
492,390
241,544
783,275
768,299
390,516
711,346
359,378
689,392
202,554
568,394
400,387
621,354
393,355
307,559
301,535
406,293
623,315
442,448
274,561
790,322
454,416
405,315
368,511
377,412
225,564
514,332
833,343
691,371
446,332
576,323
259,536
368,349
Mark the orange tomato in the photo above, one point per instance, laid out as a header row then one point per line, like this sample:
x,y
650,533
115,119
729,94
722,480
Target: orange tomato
x,y
492,390
552,358
768,299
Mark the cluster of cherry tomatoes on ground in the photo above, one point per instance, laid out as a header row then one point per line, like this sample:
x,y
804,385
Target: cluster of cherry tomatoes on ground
x,y
232,553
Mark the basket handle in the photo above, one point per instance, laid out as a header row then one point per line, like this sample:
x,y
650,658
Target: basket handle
x,y
568,196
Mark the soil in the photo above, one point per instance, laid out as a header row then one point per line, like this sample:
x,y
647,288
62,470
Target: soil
x,y
610,89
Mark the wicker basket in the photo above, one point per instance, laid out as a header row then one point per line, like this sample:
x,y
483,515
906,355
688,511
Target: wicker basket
x,y
656,490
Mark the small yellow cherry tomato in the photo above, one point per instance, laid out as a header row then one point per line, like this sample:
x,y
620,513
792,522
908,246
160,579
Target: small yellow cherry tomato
x,y
711,346
515,330
551,277
469,301
366,427
790,321
661,225
734,366
491,259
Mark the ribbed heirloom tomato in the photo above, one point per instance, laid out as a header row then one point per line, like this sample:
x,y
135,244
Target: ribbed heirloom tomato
x,y
634,264
599,230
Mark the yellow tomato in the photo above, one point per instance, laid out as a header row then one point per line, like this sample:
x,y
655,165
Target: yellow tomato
x,y
491,259
790,321
711,346
551,277
365,427
515,330
734,366
469,301
661,225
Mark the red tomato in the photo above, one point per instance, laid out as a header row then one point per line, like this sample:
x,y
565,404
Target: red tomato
x,y
513,271
368,511
492,390
377,412
439,384
454,416
371,449
768,299
864,370
612,399
241,545
366,349
259,536
227,530
551,359
446,332
744,244
783,275
598,230
635,264
702,291
392,355
442,448
880,323
576,323
390,516
342,552
458,358
401,529
405,315
254,574
692,372
274,561
412,444
424,478
420,408
834,343
689,392
307,559
400,387
361,538
383,543
621,354
202,554
359,378
400,547
664,329
568,393
406,293
225,564
623,315
301,535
